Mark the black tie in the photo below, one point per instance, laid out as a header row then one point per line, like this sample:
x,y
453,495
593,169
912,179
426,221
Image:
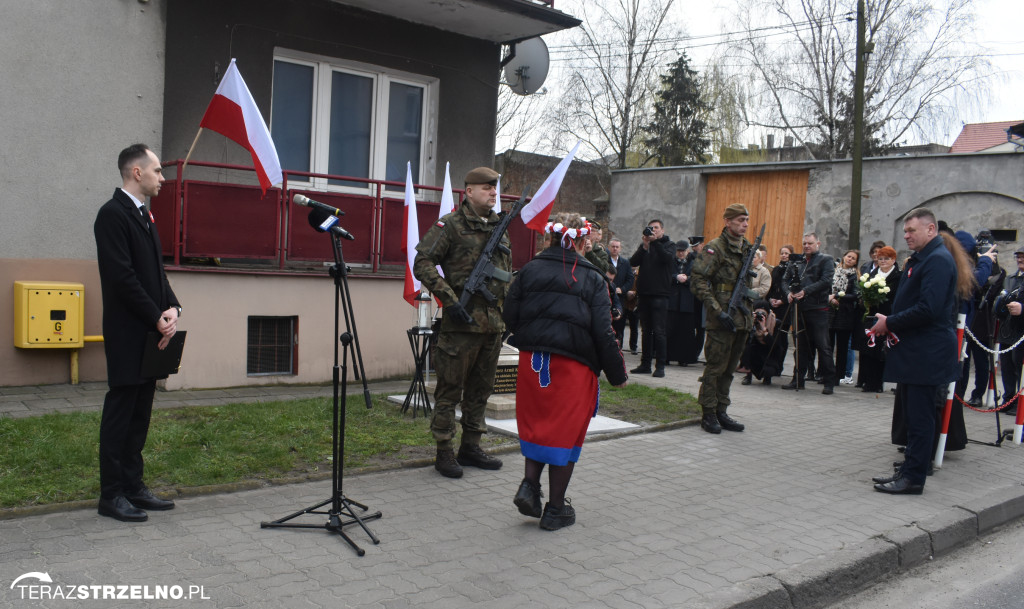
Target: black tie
x,y
145,215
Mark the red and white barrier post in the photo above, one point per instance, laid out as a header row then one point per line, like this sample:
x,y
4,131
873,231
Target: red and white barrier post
x,y
1018,428
961,321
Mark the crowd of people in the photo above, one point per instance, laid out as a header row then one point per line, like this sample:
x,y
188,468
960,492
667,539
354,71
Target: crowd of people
x,y
567,312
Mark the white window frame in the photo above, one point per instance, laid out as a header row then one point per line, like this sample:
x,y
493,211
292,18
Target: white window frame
x,y
323,69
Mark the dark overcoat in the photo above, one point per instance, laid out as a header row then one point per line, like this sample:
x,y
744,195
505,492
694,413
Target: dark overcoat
x,y
924,319
133,283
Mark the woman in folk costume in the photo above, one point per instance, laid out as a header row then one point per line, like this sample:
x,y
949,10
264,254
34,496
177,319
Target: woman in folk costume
x,y
559,314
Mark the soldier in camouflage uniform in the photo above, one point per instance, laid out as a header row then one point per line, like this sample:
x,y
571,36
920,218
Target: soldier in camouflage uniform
x,y
713,277
470,339
596,254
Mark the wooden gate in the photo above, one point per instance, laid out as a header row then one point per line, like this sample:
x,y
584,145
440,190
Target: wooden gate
x,y
777,198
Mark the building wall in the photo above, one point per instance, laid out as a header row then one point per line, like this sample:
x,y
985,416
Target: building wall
x,y
68,107
970,192
216,307
71,100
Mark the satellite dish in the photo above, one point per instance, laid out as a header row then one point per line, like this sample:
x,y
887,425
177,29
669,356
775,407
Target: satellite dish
x,y
527,67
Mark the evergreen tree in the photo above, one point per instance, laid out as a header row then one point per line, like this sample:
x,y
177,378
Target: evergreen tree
x,y
678,134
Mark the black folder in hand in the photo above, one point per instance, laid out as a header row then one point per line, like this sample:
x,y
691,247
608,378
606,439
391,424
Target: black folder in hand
x,y
157,363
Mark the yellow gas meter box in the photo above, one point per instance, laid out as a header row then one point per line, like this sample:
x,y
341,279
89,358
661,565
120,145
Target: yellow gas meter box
x,y
48,314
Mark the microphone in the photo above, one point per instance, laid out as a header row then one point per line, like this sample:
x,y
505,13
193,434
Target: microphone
x,y
307,202
324,222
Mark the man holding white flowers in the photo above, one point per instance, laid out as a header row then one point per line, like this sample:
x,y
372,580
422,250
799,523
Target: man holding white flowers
x,y
873,356
809,286
923,356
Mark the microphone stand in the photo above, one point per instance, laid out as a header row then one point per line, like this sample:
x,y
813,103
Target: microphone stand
x,y
341,513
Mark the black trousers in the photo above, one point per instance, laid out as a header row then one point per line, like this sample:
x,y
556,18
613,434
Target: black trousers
x,y
653,321
123,429
813,338
920,415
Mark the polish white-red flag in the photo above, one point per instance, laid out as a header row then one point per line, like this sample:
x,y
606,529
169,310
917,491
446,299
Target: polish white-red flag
x,y
535,213
233,114
411,230
447,203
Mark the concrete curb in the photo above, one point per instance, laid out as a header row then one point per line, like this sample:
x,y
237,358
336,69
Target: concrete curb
x,y
822,582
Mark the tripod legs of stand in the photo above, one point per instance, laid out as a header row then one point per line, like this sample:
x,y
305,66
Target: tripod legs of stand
x,y
419,341
337,520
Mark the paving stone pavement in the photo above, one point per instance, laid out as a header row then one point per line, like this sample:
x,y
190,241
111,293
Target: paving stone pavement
x,y
782,515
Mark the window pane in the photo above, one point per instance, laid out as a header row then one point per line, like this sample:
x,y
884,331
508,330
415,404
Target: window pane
x,y
405,123
351,122
291,117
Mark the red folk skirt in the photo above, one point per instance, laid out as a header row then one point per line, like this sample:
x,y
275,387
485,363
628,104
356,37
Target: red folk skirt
x,y
556,397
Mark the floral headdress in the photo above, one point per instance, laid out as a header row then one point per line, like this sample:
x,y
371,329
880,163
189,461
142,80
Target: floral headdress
x,y
568,234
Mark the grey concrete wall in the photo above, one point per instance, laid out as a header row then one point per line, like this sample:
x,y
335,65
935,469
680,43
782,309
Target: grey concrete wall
x,y
81,80
675,196
970,192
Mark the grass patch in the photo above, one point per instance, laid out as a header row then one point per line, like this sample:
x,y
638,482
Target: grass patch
x,y
55,458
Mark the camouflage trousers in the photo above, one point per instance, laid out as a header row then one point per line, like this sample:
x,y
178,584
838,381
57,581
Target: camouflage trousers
x,y
722,351
465,363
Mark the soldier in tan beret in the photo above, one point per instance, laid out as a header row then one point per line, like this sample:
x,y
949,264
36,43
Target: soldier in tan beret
x,y
468,345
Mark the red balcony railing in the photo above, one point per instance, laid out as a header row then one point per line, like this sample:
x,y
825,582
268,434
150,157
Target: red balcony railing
x,y
235,222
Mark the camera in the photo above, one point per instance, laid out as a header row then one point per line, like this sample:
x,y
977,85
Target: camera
x,y
696,240
648,231
985,241
794,273
759,316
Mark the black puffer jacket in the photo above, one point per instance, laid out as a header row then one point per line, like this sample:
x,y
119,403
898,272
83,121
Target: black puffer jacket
x,y
547,310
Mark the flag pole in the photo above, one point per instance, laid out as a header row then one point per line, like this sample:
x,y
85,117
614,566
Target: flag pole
x,y
189,155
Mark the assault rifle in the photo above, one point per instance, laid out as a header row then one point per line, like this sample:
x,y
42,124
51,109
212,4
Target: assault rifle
x,y
740,289
484,268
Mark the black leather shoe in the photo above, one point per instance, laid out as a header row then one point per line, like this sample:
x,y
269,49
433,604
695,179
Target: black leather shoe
x,y
827,390
746,380
476,457
729,423
659,372
885,479
793,385
121,509
558,518
900,486
974,401
528,499
709,423
641,370
766,380
145,499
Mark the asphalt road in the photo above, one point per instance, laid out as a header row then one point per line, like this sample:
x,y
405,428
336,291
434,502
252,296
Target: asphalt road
x,y
987,574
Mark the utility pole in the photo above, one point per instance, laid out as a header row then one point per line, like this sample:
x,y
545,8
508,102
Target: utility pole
x,y
858,130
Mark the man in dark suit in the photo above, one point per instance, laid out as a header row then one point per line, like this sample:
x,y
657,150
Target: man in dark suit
x,y
137,299
623,283
924,360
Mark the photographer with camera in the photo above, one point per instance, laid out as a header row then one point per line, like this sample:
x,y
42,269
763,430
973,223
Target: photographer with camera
x,y
1008,309
655,260
809,284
